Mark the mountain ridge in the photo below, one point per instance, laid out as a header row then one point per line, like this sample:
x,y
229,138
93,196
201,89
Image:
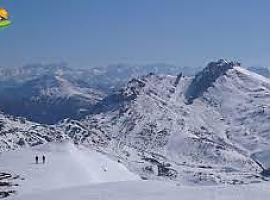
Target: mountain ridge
x,y
50,93
158,135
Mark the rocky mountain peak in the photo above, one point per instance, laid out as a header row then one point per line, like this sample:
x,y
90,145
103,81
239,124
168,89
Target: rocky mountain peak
x,y
205,78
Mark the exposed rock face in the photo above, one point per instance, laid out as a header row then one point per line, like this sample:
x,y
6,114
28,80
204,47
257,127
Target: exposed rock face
x,y
18,132
7,184
205,79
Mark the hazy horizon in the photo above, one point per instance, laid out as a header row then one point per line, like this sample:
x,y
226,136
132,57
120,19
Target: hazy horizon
x,y
97,33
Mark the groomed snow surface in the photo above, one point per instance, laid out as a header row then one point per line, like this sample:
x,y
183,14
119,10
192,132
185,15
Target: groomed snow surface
x,y
76,173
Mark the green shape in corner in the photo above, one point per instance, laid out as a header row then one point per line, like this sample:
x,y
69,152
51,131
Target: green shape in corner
x,y
4,23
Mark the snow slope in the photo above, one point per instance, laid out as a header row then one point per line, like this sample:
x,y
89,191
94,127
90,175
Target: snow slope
x,y
66,166
152,190
208,139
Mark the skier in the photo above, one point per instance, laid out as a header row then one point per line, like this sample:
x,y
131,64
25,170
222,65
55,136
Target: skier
x,y
43,159
36,159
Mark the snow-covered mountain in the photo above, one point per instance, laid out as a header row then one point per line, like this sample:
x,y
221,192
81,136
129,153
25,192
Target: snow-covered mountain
x,y
46,95
205,128
18,132
211,128
50,93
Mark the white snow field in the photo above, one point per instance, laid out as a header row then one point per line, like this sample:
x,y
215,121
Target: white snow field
x,y
152,190
76,173
66,166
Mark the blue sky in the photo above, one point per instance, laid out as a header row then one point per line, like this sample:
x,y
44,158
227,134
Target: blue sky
x,y
97,32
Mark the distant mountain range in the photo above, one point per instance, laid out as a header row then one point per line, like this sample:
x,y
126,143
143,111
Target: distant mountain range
x,y
50,93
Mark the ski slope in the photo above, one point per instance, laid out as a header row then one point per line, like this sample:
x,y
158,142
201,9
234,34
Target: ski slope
x,y
66,166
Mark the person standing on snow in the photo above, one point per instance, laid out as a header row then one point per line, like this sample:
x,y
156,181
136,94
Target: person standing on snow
x,y
36,159
43,159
